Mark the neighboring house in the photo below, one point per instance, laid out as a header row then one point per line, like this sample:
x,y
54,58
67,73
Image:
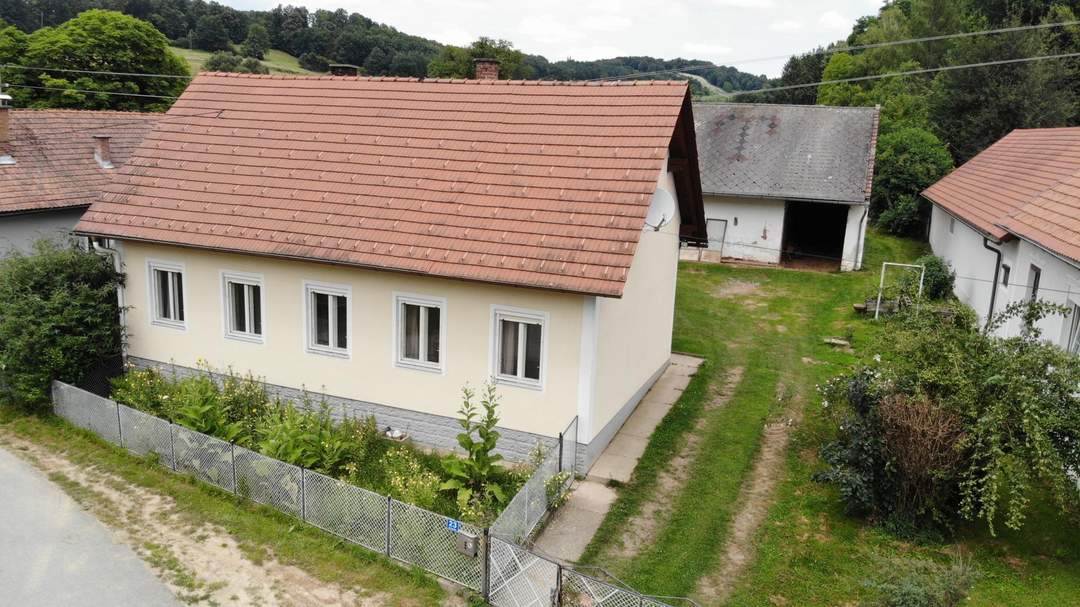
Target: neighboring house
x,y
786,183
386,241
53,164
1008,221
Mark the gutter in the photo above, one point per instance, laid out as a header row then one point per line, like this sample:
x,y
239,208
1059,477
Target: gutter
x,y
862,238
97,244
994,285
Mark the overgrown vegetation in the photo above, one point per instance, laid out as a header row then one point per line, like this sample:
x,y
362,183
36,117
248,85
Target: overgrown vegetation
x,y
950,422
59,319
239,409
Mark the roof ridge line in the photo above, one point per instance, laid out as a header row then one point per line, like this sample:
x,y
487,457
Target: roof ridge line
x,y
471,81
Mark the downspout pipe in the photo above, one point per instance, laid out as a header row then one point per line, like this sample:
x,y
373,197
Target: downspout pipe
x,y
993,285
100,246
861,239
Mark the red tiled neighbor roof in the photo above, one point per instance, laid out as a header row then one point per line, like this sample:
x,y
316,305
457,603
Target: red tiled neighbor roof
x,y
535,184
1018,185
54,156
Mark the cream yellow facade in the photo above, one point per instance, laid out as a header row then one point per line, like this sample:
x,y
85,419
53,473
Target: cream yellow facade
x,y
598,354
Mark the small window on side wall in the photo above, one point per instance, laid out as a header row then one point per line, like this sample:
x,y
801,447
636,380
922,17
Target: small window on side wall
x,y
1005,271
1034,276
167,294
952,225
1074,332
328,322
519,347
243,306
421,323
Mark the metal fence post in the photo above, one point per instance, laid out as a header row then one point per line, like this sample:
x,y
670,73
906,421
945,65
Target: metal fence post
x,y
303,494
119,426
557,599
172,447
560,450
232,458
389,521
485,571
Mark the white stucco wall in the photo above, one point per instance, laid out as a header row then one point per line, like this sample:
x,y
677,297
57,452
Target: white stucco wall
x,y
1059,283
962,247
370,373
20,231
854,237
755,227
634,332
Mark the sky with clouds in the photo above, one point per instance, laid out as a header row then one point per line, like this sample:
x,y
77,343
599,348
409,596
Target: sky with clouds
x,y
727,32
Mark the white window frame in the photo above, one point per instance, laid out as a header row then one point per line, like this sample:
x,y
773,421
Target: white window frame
x,y
400,299
252,280
500,313
153,265
338,290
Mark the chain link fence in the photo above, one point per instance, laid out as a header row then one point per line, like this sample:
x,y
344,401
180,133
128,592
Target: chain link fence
x,y
488,561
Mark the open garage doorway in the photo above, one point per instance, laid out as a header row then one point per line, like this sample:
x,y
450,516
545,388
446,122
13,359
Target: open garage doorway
x,y
814,235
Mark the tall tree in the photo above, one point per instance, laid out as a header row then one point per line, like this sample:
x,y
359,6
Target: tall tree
x,y
99,40
456,62
257,42
210,35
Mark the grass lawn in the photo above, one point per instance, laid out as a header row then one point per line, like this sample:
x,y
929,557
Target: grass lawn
x,y
770,323
279,62
260,531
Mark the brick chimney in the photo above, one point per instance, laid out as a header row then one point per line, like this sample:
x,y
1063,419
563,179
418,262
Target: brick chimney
x,y
486,69
102,153
5,130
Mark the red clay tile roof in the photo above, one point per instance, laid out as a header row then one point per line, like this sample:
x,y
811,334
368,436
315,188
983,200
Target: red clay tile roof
x,y
536,184
1001,190
54,156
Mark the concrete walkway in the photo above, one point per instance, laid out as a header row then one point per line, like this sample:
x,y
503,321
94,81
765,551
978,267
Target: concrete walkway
x,y
53,553
575,524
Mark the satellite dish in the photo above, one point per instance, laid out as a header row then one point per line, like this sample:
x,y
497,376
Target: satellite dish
x,y
661,211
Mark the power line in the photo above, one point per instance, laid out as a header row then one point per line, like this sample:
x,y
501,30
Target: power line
x,y
928,70
103,73
89,92
859,47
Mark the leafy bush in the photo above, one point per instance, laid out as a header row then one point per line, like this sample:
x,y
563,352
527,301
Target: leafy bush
x,y
901,216
314,62
909,159
923,583
409,481
226,61
471,477
59,319
938,280
955,420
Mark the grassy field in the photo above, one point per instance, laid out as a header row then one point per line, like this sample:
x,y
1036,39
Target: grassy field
x,y
260,532
279,62
770,323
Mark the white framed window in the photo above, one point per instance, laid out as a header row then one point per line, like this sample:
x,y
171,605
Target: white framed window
x,y
166,291
1034,277
1074,332
420,338
519,347
243,303
328,320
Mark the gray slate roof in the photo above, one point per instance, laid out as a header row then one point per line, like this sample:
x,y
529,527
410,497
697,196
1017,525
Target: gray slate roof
x,y
805,152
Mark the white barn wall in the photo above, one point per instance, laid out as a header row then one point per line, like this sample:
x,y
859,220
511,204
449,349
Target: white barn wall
x,y
757,237
854,237
963,249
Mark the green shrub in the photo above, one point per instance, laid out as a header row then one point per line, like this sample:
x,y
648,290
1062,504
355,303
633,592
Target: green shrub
x,y
59,319
922,583
314,62
909,159
146,390
407,478
902,216
199,408
471,477
950,419
938,279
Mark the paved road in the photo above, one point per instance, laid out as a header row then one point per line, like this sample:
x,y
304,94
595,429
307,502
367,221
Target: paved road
x,y
52,553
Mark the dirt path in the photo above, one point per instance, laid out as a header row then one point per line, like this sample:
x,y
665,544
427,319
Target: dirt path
x,y
641,530
201,564
755,497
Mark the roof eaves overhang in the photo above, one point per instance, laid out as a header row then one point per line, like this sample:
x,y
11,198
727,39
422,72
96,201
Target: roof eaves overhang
x,y
615,293
783,196
1002,236
683,164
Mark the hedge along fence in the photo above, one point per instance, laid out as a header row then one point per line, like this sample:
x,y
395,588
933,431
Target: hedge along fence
x,y
488,561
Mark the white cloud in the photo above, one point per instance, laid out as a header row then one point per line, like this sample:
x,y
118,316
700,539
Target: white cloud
x,y
547,30
706,50
745,3
606,23
455,36
834,20
787,25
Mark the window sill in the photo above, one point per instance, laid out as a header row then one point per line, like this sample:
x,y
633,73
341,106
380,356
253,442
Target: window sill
x,y
169,324
332,353
518,382
250,338
417,365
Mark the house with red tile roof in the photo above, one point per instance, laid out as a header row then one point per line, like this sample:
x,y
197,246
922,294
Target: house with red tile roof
x,y
54,163
1008,221
383,242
